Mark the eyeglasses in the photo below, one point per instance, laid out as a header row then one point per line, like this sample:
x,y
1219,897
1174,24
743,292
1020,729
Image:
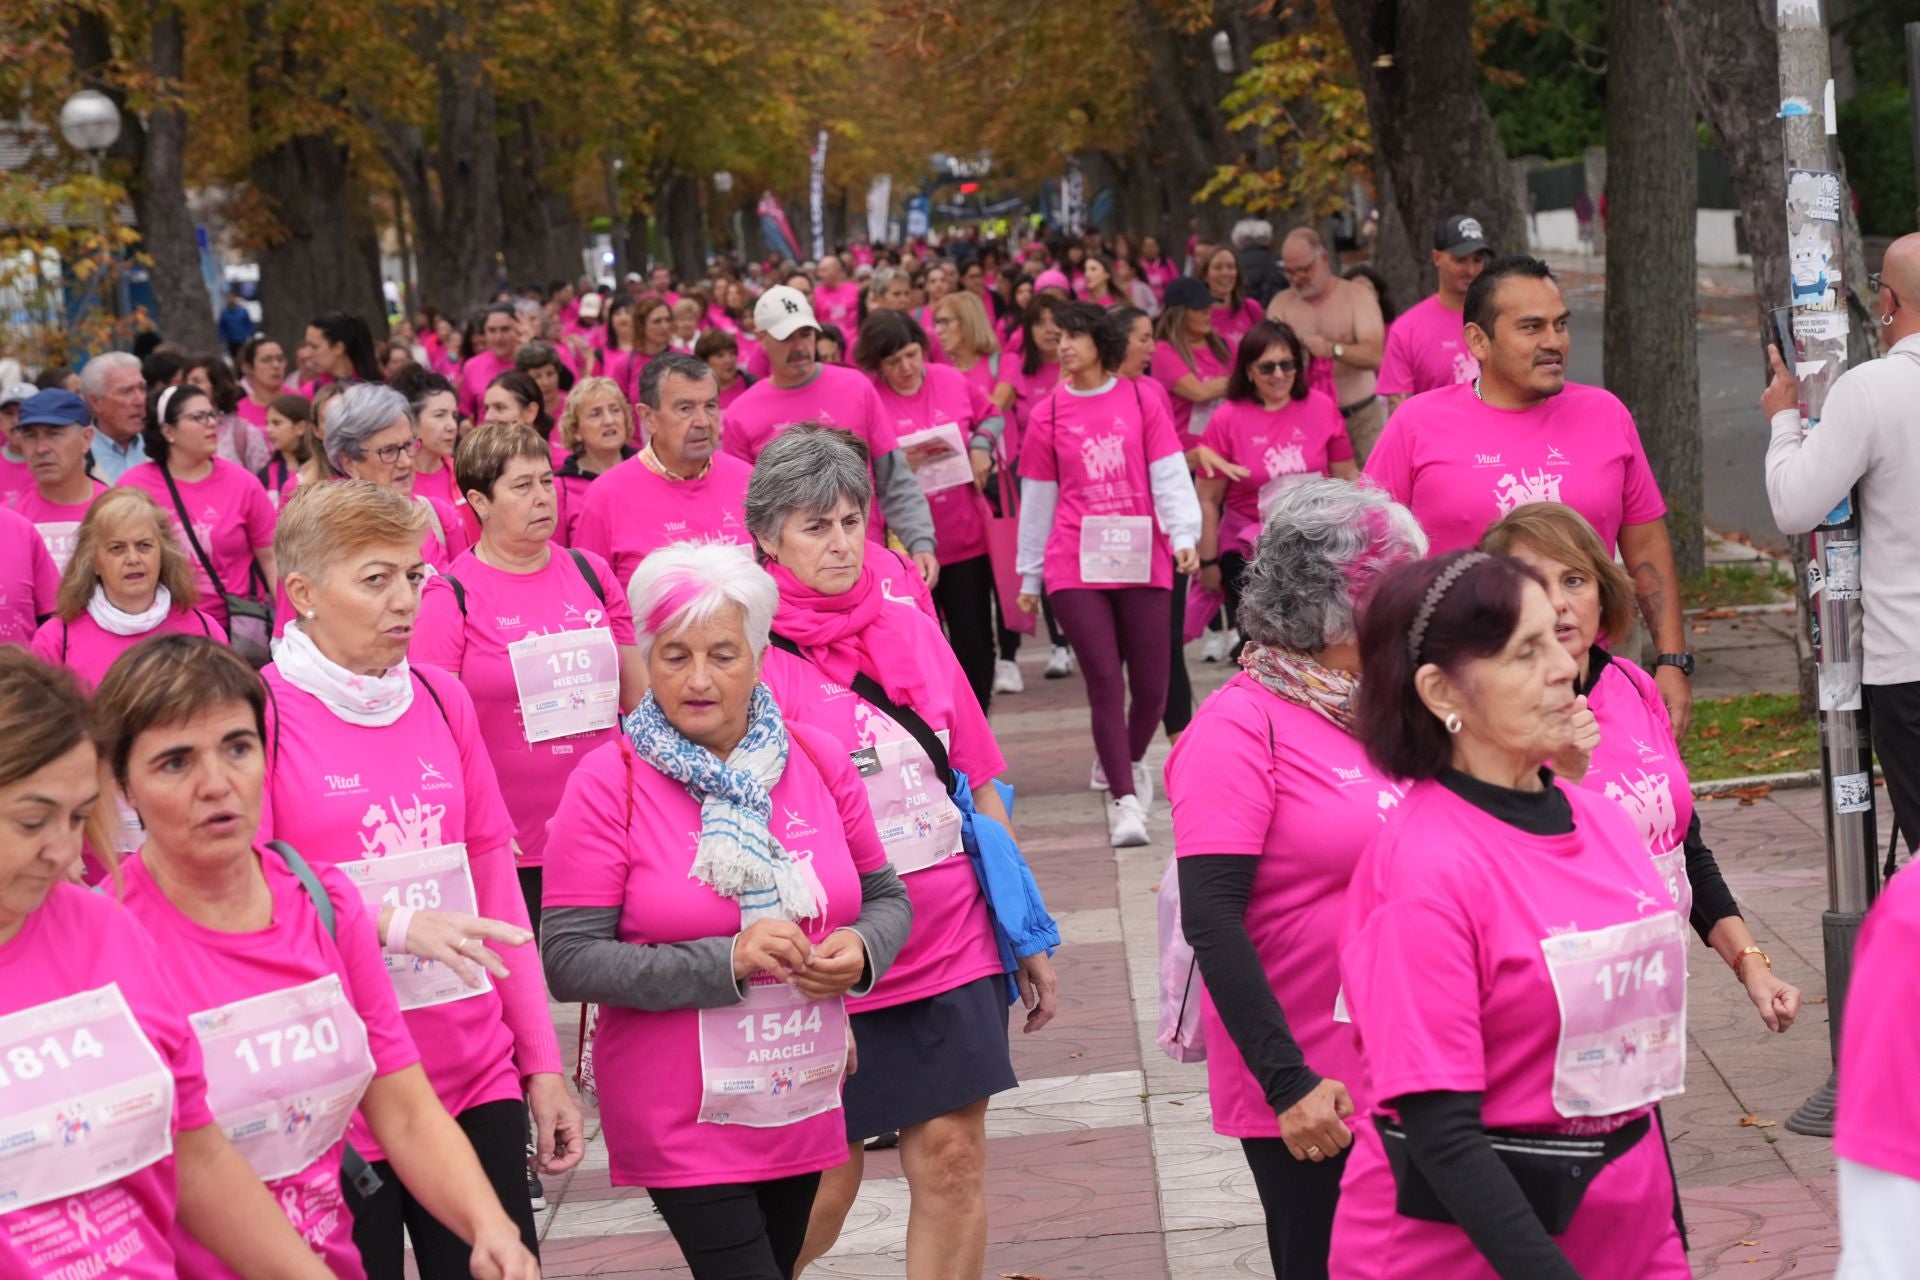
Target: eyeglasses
x,y
1268,368
201,417
390,453
1877,282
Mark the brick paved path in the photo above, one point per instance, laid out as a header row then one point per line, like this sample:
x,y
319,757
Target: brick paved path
x,y
1104,1164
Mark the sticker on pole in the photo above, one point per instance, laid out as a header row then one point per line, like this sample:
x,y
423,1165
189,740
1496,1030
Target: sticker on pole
x,y
1853,793
1839,686
1843,571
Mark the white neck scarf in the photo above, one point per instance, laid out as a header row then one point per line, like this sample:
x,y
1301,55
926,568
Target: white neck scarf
x,y
118,622
373,701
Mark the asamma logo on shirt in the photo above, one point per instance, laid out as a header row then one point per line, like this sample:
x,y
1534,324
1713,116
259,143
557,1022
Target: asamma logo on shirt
x,y
797,828
431,779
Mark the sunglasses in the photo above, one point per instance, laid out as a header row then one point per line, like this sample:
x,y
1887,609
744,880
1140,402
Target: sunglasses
x,y
1268,368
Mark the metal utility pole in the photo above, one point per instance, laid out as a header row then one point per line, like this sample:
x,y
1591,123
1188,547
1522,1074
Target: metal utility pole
x,y
1815,197
1913,94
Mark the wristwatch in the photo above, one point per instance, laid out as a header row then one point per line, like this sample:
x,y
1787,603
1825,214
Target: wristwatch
x,y
1684,661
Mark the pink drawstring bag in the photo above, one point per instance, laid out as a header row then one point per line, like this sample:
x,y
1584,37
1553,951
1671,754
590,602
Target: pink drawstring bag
x,y
1202,604
1181,1035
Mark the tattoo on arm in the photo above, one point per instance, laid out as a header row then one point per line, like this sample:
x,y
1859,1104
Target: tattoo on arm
x,y
1650,590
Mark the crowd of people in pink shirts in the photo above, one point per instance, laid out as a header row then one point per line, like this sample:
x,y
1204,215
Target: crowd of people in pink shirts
x,y
635,646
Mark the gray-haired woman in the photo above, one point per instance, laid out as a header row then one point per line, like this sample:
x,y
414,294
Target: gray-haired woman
x,y
371,435
861,660
714,881
1273,800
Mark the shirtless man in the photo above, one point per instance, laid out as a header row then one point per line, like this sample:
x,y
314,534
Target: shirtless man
x,y
1338,321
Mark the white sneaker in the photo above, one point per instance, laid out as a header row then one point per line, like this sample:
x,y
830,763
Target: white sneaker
x,y
1143,785
1006,677
1060,663
1099,780
1126,825
1214,647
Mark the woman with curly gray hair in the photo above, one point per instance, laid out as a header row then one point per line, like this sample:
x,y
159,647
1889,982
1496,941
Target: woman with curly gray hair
x,y
372,434
1273,800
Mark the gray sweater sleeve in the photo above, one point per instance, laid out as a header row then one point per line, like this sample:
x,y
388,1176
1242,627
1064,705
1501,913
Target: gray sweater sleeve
x,y
586,962
902,502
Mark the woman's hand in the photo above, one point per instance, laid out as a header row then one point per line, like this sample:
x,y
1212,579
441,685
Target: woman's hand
x,y
1210,465
559,1137
1187,560
1571,762
1778,1001
499,1255
1314,1128
982,461
1210,577
1027,603
834,967
459,941
778,947
1039,990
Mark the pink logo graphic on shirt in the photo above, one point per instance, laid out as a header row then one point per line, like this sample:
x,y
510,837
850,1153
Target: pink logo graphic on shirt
x,y
1555,458
1464,367
297,1117
82,1221
1513,492
409,829
1284,460
1104,457
1649,802
71,1123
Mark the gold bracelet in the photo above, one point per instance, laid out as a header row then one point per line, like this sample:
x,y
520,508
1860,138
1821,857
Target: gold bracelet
x,y
1750,950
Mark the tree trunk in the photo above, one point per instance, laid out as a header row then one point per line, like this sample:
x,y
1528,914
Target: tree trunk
x,y
160,197
1651,349
541,234
684,222
1432,134
317,262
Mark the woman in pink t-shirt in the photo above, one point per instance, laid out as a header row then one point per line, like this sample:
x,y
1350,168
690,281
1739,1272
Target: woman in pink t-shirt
x,y
1192,360
1273,800
380,767
263,372
29,579
1107,516
298,457
219,510
721,350
1513,963
1636,761
949,433
716,884
276,965
540,636
1233,313
240,441
596,432
370,435
96,1045
436,415
1280,433
861,661
1155,267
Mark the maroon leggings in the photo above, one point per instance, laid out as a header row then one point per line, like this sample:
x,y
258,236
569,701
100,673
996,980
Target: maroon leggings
x,y
1108,628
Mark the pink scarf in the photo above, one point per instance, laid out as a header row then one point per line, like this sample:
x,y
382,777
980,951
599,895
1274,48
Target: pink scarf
x,y
864,628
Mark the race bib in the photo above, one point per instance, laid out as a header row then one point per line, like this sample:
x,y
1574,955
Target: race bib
x,y
61,536
568,683
1672,866
1623,1015
938,457
918,822
774,1059
85,1100
434,879
285,1071
1116,549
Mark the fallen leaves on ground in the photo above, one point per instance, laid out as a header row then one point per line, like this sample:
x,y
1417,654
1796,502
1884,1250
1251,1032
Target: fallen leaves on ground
x,y
1755,1122
1752,795
1716,613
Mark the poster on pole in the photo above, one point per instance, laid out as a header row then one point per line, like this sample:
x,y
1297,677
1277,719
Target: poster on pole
x,y
817,196
879,209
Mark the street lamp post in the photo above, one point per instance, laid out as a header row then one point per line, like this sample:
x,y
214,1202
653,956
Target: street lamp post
x,y
91,123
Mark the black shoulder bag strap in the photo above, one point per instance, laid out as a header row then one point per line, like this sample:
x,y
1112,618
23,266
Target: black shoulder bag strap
x,y
909,719
579,562
193,539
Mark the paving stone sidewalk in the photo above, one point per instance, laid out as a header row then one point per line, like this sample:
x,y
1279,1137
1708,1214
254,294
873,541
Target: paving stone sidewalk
x,y
1104,1163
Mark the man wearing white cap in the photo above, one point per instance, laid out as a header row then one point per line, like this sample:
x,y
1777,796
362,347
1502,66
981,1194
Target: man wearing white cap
x,y
14,475
799,389
1427,347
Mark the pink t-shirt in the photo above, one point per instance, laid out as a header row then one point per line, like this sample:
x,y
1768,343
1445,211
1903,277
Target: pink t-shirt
x,y
633,511
1260,777
251,410
1425,349
58,522
212,968
503,608
952,941
440,485
1638,765
77,942
838,306
29,580
1029,389
15,476
475,375
1461,464
753,356
1879,1118
984,374
341,792
1444,974
624,367
835,397
625,837
734,390
1098,448
946,399
448,536
231,518
1168,368
87,649
1232,323
1301,438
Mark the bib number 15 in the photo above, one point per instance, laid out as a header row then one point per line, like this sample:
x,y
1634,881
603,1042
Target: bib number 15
x,y
1618,979
769,1027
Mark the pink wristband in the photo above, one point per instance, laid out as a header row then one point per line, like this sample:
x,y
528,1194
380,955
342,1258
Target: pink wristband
x,y
397,930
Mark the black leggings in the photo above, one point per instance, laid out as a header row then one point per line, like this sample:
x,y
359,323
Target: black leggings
x,y
964,594
498,1132
530,882
1298,1198
1179,711
739,1230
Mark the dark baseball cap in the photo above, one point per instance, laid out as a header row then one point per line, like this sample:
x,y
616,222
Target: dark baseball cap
x,y
1461,235
54,409
1190,293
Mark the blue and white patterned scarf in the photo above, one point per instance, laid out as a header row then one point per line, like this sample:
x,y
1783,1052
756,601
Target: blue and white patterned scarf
x,y
737,857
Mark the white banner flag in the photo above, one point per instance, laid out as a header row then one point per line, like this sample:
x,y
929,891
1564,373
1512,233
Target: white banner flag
x,y
817,197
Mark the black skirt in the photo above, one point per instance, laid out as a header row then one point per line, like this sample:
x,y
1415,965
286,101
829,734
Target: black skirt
x,y
928,1057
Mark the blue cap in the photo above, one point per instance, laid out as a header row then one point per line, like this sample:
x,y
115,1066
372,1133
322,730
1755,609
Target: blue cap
x,y
55,409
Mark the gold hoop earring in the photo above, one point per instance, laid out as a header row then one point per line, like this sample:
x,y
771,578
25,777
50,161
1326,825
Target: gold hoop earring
x,y
1453,722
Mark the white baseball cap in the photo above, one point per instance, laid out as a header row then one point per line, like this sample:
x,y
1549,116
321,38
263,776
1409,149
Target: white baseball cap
x,y
18,393
782,311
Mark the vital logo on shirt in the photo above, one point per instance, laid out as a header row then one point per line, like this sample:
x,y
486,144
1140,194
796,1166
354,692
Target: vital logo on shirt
x,y
341,784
